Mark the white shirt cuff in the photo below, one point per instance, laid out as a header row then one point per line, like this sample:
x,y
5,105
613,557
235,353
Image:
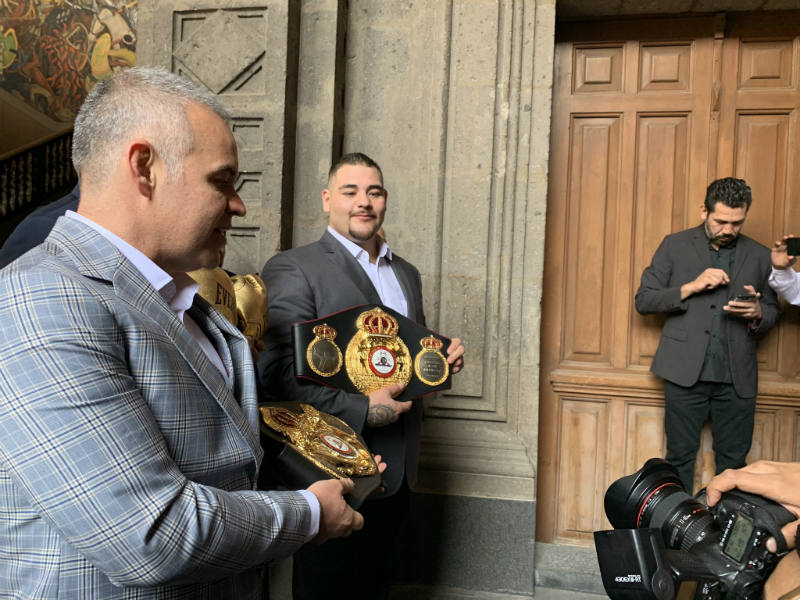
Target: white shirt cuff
x,y
315,511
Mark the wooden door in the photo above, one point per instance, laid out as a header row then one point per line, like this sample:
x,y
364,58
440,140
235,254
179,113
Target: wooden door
x,y
643,120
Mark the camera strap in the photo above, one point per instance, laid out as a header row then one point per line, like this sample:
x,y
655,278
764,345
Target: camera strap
x,y
770,521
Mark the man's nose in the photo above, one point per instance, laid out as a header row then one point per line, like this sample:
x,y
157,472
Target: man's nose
x,y
236,205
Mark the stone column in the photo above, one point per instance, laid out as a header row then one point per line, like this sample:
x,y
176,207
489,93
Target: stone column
x,y
453,100
319,112
246,53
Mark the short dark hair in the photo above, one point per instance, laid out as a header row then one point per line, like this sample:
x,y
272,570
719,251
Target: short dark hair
x,y
354,158
732,192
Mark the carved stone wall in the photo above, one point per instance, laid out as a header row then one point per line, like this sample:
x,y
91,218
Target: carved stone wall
x,y
245,53
452,98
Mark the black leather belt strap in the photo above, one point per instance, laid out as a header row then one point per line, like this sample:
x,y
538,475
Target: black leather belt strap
x,y
367,347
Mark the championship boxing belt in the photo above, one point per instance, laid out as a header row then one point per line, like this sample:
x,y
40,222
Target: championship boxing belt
x,y
303,445
367,347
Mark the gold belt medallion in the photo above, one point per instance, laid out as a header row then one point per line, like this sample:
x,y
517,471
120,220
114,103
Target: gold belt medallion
x,y
322,355
376,357
430,365
325,440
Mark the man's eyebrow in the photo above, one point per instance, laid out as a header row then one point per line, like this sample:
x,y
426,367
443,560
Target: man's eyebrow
x,y
225,170
353,186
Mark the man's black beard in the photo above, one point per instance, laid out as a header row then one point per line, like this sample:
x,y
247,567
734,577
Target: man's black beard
x,y
718,240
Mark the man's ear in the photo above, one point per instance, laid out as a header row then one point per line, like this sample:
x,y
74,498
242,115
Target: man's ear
x,y
326,201
141,158
703,212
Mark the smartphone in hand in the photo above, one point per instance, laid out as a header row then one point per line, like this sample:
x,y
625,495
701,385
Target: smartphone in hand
x,y
793,246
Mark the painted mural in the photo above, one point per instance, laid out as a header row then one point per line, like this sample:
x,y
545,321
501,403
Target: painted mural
x,y
52,52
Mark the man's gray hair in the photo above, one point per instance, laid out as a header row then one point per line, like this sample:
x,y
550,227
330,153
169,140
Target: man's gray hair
x,y
139,102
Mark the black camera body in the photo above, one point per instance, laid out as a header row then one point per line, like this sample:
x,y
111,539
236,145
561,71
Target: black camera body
x,y
667,544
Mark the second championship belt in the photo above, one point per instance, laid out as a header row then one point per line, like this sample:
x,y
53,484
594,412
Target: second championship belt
x,y
304,445
367,347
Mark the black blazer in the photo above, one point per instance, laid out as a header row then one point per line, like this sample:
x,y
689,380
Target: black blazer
x,y
313,281
680,258
34,228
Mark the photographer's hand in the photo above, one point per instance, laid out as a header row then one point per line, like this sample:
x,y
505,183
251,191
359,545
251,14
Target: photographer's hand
x,y
777,481
780,256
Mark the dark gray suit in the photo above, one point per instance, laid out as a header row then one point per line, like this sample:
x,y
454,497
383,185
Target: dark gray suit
x,y
680,258
316,280
304,284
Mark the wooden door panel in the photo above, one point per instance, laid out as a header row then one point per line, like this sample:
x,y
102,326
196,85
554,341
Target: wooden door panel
x,y
584,435
642,122
598,69
761,146
643,435
661,175
765,64
589,255
665,67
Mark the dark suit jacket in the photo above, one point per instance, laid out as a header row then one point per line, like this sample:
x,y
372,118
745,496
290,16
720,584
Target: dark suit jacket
x,y
34,228
314,281
680,258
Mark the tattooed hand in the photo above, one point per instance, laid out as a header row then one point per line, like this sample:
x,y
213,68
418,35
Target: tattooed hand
x,y
380,415
383,408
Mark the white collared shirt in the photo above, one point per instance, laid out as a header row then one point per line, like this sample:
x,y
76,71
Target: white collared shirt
x,y
786,282
177,292
380,272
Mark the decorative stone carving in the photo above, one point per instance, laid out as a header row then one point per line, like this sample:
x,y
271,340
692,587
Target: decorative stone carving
x,y
217,65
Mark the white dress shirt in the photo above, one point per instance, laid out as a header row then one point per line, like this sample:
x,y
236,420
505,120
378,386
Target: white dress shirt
x,y
380,272
786,283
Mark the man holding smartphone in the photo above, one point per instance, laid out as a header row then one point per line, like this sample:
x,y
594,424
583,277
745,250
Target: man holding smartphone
x,y
711,283
783,279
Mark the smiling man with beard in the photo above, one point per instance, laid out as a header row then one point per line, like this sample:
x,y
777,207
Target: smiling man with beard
x,y
350,265
711,282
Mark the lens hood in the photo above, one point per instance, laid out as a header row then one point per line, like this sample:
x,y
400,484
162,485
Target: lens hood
x,y
627,496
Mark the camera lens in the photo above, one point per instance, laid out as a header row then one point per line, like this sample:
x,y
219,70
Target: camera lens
x,y
654,497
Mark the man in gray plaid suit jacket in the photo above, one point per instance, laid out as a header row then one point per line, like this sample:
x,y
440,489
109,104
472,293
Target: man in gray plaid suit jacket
x,y
129,447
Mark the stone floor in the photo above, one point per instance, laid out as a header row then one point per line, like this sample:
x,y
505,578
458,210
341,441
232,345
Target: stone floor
x,y
561,573
418,593
553,594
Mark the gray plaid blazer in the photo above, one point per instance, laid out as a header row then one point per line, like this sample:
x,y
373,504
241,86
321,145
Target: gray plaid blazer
x,y
127,466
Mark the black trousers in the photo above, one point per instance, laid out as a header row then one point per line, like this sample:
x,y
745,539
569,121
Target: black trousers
x,y
358,567
686,410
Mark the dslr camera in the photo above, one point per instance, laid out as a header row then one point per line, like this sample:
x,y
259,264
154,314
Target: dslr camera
x,y
669,545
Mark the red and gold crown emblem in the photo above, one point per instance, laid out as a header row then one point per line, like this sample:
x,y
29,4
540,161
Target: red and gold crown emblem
x,y
378,322
324,332
431,343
